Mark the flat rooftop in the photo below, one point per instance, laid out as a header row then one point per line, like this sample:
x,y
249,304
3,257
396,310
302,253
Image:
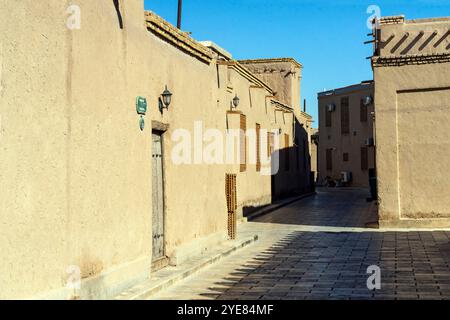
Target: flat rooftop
x,y
271,60
345,90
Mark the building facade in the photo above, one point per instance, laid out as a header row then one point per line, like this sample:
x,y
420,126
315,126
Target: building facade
x,y
346,144
314,152
284,76
411,66
107,181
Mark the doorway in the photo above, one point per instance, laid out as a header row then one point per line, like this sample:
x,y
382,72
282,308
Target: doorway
x,y
159,259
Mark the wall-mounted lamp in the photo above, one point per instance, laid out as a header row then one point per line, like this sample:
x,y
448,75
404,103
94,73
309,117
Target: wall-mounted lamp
x,y
236,101
367,100
166,98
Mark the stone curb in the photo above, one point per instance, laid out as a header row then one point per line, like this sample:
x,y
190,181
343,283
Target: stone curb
x,y
274,207
151,287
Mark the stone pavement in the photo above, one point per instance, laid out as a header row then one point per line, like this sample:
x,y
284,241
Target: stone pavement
x,y
318,248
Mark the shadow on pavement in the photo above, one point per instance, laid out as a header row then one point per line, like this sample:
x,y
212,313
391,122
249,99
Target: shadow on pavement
x,y
326,265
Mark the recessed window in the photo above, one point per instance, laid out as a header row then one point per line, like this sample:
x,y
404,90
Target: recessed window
x,y
363,111
243,143
345,116
364,158
345,157
270,144
286,146
329,159
327,117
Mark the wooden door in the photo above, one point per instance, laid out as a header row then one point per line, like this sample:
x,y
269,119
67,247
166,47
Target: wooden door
x,y
158,197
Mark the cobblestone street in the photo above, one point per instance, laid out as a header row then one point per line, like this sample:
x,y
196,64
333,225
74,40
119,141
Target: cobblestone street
x,y
318,248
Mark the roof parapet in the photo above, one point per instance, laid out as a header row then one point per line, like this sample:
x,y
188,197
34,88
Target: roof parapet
x,y
345,90
411,42
398,61
428,20
399,19
221,52
174,36
280,105
246,74
272,60
391,19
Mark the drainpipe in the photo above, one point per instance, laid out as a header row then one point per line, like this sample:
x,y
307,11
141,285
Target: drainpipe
x,y
180,8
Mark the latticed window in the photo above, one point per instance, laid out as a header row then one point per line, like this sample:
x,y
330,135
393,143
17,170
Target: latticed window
x,y
231,195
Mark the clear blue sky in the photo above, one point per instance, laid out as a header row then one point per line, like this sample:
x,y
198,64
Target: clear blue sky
x,y
325,36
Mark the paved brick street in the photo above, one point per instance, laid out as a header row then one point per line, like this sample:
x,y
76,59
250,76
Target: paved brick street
x,y
318,248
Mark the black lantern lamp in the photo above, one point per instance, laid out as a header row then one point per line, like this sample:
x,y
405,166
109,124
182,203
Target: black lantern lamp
x,y
236,101
166,98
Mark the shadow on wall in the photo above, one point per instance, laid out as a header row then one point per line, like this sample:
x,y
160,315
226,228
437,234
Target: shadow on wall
x,y
247,210
293,176
333,265
293,172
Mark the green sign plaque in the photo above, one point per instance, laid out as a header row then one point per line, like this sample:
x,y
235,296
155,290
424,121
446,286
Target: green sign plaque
x,y
141,105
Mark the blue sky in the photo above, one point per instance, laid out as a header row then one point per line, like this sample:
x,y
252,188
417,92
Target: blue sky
x,y
325,36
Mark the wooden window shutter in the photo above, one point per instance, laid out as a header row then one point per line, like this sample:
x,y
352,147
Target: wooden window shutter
x,y
345,116
305,156
286,151
329,159
345,157
364,158
327,117
243,143
258,147
270,143
363,111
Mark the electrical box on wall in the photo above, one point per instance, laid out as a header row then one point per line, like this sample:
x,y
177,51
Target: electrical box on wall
x,y
370,142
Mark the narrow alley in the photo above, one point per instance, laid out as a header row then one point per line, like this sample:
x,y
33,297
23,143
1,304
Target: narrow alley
x,y
319,248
